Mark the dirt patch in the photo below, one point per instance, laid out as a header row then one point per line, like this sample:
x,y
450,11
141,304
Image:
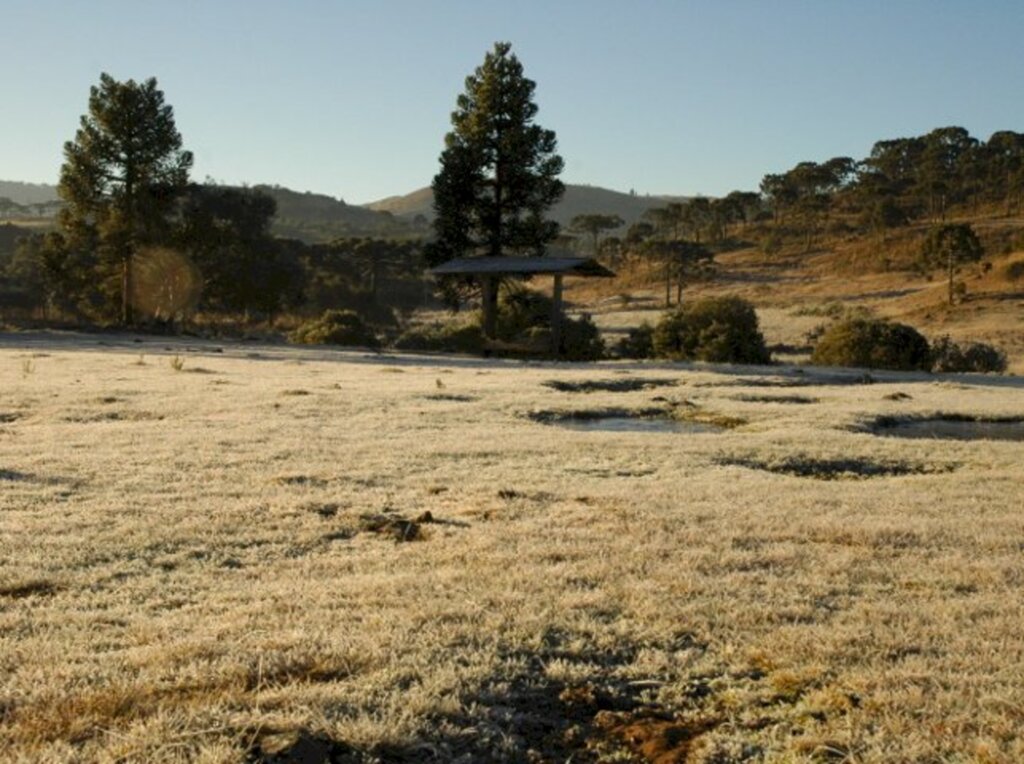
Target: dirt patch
x,y
394,526
452,397
655,739
609,385
837,469
400,529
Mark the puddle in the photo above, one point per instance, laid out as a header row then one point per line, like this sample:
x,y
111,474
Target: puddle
x,y
951,428
775,398
620,420
635,424
609,385
837,469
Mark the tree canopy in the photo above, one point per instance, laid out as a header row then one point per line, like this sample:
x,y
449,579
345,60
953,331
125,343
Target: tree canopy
x,y
499,170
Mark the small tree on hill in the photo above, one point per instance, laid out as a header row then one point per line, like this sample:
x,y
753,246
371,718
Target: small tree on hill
x,y
121,175
949,246
595,225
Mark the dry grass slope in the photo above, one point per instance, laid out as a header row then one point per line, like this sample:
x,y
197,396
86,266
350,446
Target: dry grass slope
x,y
240,564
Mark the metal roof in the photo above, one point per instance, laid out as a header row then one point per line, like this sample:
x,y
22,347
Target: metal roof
x,y
475,266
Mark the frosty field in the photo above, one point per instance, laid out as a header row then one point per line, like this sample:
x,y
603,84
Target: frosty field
x,y
224,553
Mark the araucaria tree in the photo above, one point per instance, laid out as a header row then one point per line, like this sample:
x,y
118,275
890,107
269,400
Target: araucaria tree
x,y
499,170
949,246
121,177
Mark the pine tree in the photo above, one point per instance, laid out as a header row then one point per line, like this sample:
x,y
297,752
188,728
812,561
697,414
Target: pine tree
x,y
121,176
499,170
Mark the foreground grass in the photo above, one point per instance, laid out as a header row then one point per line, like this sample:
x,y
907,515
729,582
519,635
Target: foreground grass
x,y
199,561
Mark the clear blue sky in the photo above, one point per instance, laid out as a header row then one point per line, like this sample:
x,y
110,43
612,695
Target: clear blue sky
x,y
353,98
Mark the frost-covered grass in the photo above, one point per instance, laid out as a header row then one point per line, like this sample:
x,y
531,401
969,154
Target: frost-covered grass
x,y
186,572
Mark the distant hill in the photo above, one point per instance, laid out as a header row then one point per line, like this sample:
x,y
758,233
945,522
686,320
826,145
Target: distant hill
x,y
28,193
317,217
578,200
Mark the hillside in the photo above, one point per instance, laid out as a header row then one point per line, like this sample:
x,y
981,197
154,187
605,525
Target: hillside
x,y
27,193
317,217
308,216
578,200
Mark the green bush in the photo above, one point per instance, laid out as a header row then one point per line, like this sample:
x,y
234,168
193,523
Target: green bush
x,y
335,327
639,343
977,356
524,317
715,329
521,310
452,337
874,344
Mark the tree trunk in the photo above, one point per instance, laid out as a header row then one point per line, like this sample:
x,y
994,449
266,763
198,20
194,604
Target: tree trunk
x,y
668,285
951,278
490,305
127,311
556,318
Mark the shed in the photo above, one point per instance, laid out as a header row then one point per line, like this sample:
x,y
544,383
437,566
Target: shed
x,y
487,269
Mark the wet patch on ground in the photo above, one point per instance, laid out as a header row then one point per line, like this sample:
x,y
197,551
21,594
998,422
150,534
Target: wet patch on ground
x,y
950,427
850,468
609,385
774,398
637,420
798,380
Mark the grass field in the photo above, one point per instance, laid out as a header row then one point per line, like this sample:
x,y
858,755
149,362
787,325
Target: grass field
x,y
258,553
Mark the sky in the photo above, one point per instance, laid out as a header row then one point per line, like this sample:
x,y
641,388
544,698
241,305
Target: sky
x,y
353,98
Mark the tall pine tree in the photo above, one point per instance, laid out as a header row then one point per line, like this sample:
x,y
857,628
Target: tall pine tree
x,y
121,177
499,170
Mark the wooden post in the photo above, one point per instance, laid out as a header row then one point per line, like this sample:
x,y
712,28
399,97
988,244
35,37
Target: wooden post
x,y
556,317
490,304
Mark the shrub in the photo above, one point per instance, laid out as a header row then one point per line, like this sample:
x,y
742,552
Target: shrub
x,y
581,339
452,337
335,327
521,310
977,356
716,329
874,344
1014,271
524,316
639,343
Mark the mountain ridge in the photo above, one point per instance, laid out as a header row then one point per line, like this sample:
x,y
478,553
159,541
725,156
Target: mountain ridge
x,y
579,199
